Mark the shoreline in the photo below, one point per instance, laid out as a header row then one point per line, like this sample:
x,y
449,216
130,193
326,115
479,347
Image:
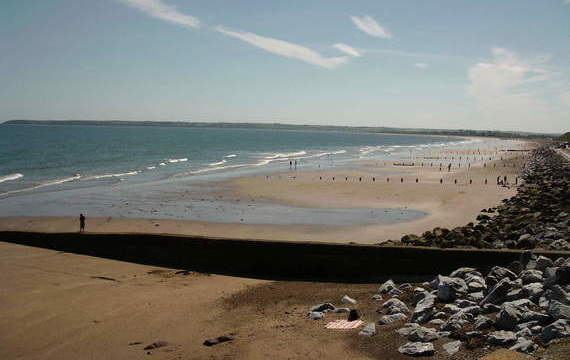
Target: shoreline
x,y
445,205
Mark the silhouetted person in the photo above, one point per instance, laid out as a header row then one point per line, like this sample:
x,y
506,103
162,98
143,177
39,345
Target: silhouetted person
x,y
81,223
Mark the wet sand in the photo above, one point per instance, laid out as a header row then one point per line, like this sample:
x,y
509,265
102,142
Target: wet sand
x,y
446,205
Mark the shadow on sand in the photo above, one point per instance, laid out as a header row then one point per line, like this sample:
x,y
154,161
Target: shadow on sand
x,y
275,260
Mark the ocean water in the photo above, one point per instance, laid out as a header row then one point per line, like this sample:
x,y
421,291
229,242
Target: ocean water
x,y
106,170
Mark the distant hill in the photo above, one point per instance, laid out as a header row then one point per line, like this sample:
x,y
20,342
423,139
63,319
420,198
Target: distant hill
x,y
565,137
278,126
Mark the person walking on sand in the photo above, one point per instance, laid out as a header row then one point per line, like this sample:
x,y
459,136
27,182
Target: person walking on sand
x,y
81,223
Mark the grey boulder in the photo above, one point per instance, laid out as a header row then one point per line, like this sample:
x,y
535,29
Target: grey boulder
x,y
449,288
483,322
524,345
368,330
452,347
423,334
424,309
556,330
501,337
417,349
508,318
390,319
558,310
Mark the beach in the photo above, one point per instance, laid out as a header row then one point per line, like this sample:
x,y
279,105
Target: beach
x,y
363,186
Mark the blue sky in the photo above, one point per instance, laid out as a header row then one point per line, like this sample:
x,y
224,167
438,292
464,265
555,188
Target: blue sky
x,y
438,64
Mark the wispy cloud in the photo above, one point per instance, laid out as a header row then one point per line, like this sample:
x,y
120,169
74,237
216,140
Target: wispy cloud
x,y
347,49
160,10
371,27
284,48
512,87
566,2
421,65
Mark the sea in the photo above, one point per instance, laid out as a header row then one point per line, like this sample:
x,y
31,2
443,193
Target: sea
x,y
141,171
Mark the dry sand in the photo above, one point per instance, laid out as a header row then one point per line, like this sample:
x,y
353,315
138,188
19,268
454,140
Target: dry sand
x,y
63,306
446,205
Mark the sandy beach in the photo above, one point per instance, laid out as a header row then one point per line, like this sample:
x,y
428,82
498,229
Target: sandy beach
x,y
61,306
364,185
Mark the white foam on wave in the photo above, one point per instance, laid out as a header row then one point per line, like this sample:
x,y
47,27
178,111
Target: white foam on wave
x,y
11,177
106,176
46,184
286,155
318,155
151,167
215,168
230,156
177,160
218,163
263,162
162,164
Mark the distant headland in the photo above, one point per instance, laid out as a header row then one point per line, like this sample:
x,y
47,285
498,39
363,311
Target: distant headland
x,y
279,126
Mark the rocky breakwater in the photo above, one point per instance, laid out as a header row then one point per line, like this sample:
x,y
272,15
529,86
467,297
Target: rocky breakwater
x,y
537,217
523,309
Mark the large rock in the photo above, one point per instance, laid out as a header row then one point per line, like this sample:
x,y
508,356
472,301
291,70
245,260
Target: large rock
x,y
464,272
556,330
449,288
550,276
424,309
531,316
483,322
524,345
390,319
452,347
558,310
508,318
368,330
347,300
501,338
322,307
315,315
543,262
501,273
497,294
407,329
531,276
417,349
396,306
423,334
387,287
533,290
559,294
490,308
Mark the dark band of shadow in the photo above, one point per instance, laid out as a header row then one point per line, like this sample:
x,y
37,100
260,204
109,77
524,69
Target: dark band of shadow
x,y
275,260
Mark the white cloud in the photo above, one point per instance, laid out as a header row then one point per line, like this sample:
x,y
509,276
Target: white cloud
x,y
347,49
512,88
371,27
566,2
421,65
284,48
160,10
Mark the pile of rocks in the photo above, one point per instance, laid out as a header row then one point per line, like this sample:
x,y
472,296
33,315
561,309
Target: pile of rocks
x,y
520,310
537,217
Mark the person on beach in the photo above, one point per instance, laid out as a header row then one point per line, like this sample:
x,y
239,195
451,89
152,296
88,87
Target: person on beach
x,y
449,167
81,223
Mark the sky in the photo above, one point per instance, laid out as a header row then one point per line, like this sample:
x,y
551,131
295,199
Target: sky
x,y
449,64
